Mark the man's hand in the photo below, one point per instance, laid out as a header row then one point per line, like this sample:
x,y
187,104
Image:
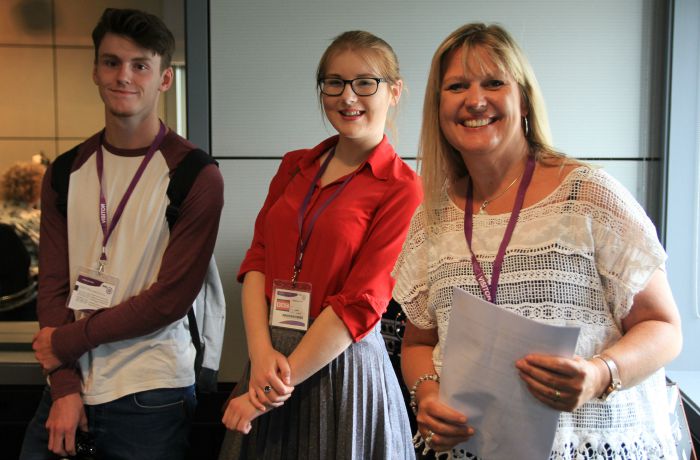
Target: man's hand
x,y
43,350
239,414
66,415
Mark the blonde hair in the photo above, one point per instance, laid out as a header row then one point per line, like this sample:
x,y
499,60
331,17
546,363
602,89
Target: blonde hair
x,y
439,162
21,183
375,51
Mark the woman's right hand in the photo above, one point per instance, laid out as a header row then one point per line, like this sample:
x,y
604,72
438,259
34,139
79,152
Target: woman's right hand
x,y
269,370
448,426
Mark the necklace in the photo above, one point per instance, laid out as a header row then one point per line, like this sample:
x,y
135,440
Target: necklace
x,y
482,208
489,291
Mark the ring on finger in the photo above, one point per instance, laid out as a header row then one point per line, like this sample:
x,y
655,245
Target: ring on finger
x,y
429,438
267,389
557,395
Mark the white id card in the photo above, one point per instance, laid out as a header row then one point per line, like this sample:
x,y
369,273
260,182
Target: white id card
x,y
92,290
290,304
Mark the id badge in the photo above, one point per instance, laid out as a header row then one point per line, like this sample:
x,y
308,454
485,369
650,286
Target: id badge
x,y
92,290
290,305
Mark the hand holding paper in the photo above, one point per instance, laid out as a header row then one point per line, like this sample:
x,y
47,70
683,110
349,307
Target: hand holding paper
x,y
479,377
577,380
448,426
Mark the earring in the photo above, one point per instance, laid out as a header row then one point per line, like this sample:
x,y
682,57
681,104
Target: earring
x,y
526,126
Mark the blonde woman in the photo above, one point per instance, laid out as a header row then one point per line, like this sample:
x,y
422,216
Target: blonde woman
x,y
509,219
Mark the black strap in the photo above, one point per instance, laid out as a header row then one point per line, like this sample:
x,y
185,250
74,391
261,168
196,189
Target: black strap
x,y
182,179
60,178
196,341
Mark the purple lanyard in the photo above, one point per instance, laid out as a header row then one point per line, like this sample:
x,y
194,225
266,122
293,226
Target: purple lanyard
x,y
107,231
490,291
304,236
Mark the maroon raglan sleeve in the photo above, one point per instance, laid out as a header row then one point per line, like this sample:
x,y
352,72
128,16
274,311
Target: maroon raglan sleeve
x,y
54,283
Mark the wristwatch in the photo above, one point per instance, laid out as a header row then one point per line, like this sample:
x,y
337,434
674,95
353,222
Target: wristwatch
x,y
615,382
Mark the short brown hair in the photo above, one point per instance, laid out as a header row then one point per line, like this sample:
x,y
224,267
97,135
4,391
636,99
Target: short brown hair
x,y
145,29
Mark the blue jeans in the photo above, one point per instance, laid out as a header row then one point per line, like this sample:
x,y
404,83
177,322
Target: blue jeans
x,y
149,425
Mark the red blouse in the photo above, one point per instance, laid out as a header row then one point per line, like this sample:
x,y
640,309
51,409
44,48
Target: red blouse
x,y
355,241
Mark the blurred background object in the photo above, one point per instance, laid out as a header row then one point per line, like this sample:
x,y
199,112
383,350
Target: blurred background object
x,y
20,191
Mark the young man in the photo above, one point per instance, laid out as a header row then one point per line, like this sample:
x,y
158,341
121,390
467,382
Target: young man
x,y
116,282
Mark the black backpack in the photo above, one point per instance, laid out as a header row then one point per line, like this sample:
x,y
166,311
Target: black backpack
x,y
210,298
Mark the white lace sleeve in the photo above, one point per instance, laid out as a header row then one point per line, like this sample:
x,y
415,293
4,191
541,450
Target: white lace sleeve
x,y
627,249
411,274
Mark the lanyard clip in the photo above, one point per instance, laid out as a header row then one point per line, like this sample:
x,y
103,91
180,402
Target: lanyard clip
x,y
102,262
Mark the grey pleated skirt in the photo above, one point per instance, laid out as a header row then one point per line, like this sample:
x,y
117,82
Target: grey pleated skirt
x,y
350,409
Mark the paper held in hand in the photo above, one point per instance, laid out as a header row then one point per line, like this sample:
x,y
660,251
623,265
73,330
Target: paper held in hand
x,y
479,377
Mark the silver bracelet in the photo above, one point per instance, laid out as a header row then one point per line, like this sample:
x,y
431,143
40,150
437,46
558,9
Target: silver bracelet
x,y
414,388
615,382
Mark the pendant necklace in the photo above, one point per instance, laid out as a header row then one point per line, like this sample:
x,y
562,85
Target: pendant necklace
x,y
482,208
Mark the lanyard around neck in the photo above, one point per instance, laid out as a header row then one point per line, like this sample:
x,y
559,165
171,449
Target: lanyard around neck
x,y
305,236
107,230
489,291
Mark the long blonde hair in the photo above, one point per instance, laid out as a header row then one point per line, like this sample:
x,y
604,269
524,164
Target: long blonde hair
x,y
439,162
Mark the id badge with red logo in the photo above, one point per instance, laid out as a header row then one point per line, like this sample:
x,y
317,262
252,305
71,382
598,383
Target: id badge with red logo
x,y
290,305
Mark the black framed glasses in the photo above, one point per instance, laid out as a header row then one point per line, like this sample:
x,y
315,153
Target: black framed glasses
x,y
365,86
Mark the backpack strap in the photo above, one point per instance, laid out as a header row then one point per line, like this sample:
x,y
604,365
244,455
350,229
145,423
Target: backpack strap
x,y
181,182
182,179
60,178
197,342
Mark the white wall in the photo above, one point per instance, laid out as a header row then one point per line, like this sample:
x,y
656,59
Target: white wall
x,y
592,58
683,212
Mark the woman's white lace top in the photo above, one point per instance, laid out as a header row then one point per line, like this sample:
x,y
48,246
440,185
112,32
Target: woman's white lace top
x,y
576,258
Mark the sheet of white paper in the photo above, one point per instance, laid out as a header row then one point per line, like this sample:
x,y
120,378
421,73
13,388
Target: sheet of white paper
x,y
479,378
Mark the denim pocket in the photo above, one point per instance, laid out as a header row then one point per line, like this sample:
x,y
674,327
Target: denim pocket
x,y
161,398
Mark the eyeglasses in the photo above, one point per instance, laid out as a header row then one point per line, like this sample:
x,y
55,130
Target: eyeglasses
x,y
365,86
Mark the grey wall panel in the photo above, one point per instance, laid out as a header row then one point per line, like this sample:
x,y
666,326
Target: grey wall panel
x,y
246,183
592,60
